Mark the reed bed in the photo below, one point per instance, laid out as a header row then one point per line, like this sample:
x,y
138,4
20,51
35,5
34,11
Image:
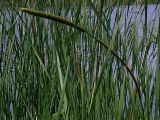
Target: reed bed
x,y
74,61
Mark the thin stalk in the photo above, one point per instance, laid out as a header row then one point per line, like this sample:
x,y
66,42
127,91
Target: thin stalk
x,y
157,105
69,23
99,47
145,24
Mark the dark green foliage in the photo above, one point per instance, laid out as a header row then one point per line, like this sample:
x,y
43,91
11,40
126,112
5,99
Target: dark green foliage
x,y
49,70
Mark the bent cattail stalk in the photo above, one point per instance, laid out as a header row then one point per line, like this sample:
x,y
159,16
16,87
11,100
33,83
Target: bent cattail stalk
x,y
52,17
69,23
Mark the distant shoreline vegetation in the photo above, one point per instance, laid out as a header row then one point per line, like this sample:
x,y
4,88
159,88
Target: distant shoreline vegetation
x,y
108,3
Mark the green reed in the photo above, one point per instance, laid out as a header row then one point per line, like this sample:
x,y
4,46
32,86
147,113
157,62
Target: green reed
x,y
75,66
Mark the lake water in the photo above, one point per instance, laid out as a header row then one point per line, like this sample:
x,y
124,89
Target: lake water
x,y
136,14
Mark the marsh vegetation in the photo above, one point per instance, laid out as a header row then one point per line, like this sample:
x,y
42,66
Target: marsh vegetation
x,y
85,61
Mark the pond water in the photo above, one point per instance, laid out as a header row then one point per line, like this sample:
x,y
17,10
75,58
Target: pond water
x,y
136,14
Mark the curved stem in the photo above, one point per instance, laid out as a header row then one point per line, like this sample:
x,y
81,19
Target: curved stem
x,y
69,23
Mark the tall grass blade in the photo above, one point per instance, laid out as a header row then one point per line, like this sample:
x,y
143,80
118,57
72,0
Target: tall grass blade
x,y
62,106
64,21
157,86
